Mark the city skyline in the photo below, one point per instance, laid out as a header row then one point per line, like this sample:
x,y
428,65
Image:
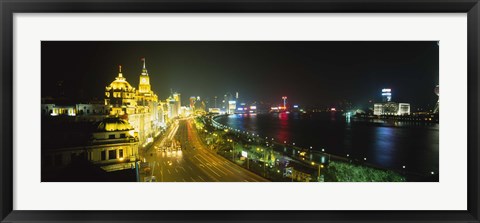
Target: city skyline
x,y
260,71
239,111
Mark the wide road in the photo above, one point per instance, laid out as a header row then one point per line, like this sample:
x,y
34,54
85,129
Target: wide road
x,y
194,162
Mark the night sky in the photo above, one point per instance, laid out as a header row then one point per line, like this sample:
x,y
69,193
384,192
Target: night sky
x,y
309,73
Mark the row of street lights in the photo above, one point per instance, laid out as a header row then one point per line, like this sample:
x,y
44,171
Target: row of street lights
x,y
293,143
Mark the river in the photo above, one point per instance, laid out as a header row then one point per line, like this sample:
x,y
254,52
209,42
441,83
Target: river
x,y
387,144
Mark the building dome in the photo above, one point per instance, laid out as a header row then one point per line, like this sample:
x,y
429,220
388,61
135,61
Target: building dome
x,y
120,84
113,124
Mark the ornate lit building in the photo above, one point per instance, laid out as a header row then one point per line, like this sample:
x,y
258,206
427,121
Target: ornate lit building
x,y
120,96
110,144
140,107
144,94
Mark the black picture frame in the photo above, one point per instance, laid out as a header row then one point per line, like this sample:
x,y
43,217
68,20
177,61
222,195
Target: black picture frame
x,y
9,7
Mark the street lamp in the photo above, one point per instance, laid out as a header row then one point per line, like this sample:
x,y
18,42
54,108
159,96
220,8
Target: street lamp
x,y
264,162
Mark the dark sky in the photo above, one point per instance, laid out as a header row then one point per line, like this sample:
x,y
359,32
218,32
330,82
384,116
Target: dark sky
x,y
308,72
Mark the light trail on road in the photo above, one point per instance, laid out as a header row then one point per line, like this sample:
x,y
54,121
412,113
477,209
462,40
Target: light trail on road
x,y
194,162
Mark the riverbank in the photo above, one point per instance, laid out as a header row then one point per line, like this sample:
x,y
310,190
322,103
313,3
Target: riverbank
x,y
286,162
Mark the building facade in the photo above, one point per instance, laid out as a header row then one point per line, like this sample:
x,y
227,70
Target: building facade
x,y
139,106
388,107
112,145
391,108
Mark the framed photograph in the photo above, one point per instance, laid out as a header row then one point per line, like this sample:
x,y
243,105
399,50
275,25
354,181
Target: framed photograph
x,y
240,111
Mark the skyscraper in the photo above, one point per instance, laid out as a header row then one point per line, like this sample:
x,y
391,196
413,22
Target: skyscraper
x,y
386,95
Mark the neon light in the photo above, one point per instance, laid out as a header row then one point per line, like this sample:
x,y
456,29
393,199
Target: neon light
x,y
386,90
295,106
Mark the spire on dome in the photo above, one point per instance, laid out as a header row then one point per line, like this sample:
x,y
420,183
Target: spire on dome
x,y
120,71
120,74
144,70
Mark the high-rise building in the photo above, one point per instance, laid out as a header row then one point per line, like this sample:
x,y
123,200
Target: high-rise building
x,y
227,100
172,108
193,99
388,107
178,102
386,95
232,106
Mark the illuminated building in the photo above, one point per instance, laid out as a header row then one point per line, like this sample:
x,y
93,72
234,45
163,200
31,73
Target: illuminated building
x,y
227,98
172,108
178,102
386,95
215,110
162,113
56,110
232,105
112,145
391,108
403,109
377,109
140,107
113,141
120,96
145,96
193,99
80,112
387,107
146,118
174,105
144,83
